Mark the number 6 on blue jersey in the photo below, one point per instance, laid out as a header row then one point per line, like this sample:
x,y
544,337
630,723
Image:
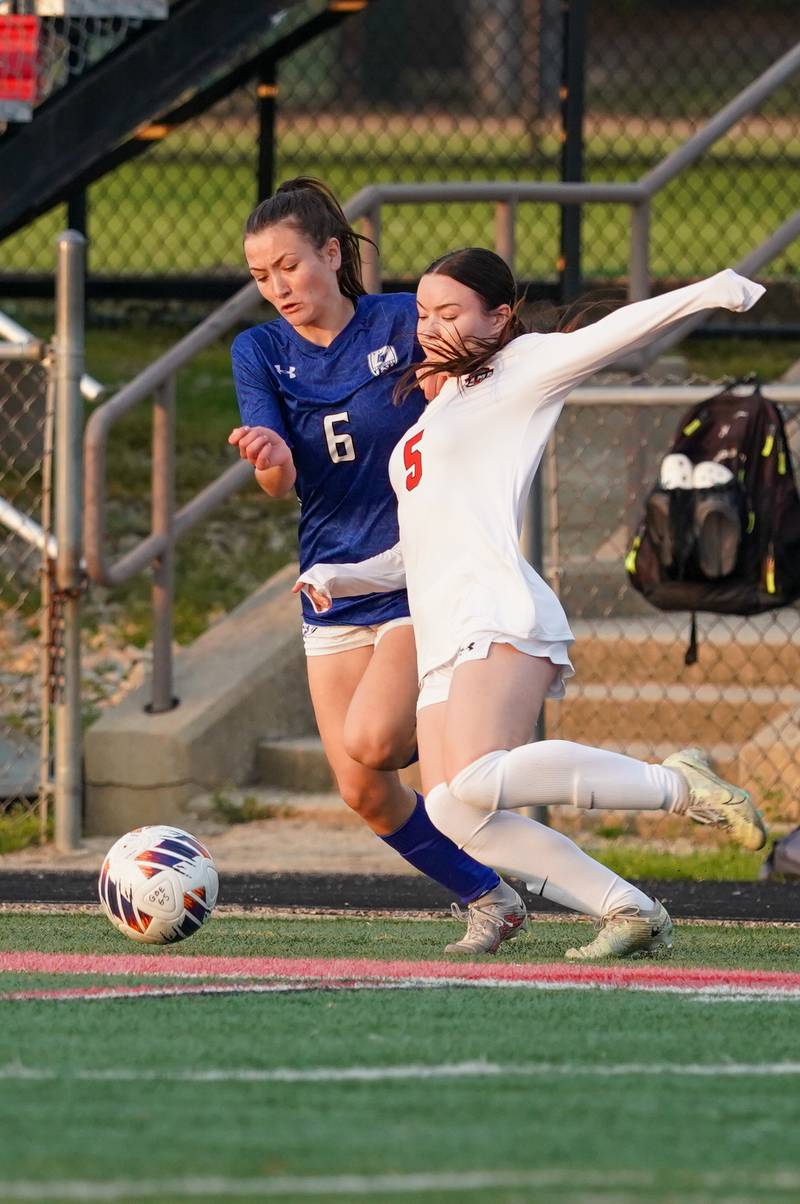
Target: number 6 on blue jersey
x,y
340,446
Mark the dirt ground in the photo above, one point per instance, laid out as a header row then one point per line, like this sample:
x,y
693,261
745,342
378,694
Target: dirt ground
x,y
321,836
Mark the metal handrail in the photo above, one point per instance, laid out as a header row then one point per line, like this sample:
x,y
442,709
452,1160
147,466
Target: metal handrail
x,y
34,350
742,104
28,529
159,378
22,344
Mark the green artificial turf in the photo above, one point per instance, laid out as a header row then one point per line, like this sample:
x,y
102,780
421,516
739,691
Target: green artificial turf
x,y
563,1121
732,945
145,1092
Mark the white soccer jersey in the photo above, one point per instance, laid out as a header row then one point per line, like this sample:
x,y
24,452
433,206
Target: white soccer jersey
x,y
463,472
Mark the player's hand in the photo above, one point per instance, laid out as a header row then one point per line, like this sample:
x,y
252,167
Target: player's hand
x,y
261,446
320,601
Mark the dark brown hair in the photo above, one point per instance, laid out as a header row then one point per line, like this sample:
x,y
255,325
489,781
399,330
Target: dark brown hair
x,y
491,278
311,207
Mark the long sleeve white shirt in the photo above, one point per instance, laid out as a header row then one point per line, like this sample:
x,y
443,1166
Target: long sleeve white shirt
x,y
463,472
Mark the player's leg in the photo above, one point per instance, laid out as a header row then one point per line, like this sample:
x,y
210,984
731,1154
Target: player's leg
x,y
498,914
393,811
507,690
378,797
561,772
380,725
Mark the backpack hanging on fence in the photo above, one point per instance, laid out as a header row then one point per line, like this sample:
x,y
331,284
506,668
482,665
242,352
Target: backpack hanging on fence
x,y
721,527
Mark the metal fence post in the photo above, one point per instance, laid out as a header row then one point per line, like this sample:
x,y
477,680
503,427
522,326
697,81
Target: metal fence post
x,y
639,252
572,114
163,523
371,228
533,551
505,218
68,368
267,93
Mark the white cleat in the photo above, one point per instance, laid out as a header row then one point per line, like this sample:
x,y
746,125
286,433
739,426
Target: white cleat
x,y
628,932
715,801
493,918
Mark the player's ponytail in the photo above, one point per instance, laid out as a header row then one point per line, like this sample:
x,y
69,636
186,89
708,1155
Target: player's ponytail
x,y
311,206
491,278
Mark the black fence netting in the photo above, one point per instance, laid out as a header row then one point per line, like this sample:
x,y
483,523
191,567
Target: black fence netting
x,y
469,90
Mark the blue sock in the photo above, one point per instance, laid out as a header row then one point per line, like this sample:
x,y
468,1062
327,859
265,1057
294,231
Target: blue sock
x,y
429,850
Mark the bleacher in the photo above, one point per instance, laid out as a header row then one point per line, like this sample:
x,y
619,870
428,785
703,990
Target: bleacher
x,y
38,39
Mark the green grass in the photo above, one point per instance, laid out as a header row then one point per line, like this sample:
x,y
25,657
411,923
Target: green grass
x,y
715,945
171,213
666,1136
19,828
246,539
724,864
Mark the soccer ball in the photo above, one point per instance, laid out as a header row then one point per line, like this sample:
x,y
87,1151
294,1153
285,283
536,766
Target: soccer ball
x,y
158,884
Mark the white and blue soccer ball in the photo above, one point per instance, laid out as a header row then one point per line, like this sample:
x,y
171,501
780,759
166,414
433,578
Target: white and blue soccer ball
x,y
158,884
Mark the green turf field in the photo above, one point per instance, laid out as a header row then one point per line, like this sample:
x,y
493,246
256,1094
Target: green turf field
x,y
434,1093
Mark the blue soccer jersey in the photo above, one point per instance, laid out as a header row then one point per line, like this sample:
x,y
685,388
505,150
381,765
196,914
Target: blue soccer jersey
x,y
333,406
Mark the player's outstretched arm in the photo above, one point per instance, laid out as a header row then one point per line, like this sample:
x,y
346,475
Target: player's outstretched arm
x,y
566,359
378,575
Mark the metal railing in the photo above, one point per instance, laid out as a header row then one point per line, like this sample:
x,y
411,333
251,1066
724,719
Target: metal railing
x,y
22,344
159,379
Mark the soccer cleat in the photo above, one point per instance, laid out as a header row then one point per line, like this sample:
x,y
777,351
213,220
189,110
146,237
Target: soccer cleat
x,y
493,918
628,932
715,801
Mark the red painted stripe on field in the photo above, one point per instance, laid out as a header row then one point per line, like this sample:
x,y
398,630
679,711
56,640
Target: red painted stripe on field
x,y
332,969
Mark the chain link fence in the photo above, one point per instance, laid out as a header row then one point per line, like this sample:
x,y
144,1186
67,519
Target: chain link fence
x,y
633,691
376,99
25,471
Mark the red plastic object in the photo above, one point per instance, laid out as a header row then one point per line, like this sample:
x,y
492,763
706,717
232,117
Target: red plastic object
x,y
19,49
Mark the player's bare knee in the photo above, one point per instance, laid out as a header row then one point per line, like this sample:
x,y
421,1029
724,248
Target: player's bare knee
x,y
367,798
377,746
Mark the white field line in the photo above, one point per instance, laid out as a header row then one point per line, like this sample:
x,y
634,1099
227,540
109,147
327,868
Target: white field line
x,y
729,993
17,1072
287,1187
699,994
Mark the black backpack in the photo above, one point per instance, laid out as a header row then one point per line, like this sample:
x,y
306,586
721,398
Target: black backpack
x,y
732,548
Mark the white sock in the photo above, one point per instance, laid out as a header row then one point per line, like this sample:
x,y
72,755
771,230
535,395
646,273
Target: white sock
x,y
558,772
550,863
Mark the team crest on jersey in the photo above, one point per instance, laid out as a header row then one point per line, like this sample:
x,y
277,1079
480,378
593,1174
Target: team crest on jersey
x,y
478,376
382,360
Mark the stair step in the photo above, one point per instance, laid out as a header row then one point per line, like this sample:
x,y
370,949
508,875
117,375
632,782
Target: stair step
x,y
732,651
663,721
300,764
297,764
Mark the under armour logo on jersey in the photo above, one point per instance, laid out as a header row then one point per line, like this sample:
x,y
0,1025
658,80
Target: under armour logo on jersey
x,y
382,360
291,371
